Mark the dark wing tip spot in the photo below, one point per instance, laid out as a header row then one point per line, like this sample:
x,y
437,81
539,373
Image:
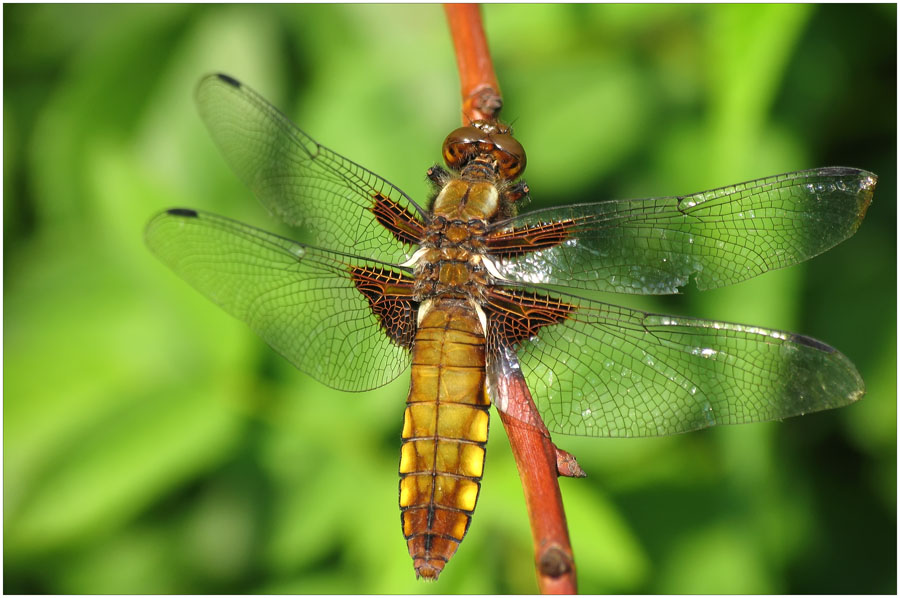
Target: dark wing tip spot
x,y
229,80
182,212
811,342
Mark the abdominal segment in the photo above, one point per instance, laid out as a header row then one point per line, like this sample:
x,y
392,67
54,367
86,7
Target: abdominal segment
x,y
445,430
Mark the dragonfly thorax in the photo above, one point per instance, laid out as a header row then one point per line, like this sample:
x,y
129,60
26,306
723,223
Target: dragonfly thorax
x,y
452,272
450,262
466,201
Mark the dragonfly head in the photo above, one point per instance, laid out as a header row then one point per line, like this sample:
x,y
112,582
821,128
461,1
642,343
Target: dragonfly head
x,y
485,141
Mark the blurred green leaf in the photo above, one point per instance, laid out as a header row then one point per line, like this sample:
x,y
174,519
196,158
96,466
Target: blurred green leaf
x,y
715,562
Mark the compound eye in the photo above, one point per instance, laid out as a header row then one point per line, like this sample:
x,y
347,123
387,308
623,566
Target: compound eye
x,y
510,156
462,144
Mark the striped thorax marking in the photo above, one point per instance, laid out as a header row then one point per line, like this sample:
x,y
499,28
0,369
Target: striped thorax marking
x,y
468,200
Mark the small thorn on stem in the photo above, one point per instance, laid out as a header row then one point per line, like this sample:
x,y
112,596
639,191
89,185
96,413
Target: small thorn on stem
x,y
567,466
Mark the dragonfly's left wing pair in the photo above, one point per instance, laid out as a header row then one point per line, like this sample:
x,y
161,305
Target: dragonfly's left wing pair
x,y
344,319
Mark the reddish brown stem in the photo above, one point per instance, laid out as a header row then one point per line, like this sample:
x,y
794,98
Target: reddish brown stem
x,y
481,98
537,458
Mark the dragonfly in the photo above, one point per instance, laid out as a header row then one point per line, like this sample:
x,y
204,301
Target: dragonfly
x,y
453,286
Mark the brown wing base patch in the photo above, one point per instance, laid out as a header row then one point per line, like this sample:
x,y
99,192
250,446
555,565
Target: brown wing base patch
x,y
513,243
518,315
394,217
390,297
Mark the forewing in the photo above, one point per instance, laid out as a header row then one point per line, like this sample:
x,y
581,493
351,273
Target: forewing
x,y
717,237
305,302
605,370
301,182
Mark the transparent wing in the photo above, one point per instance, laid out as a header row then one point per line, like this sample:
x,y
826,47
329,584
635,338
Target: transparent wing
x,y
611,371
717,237
299,299
298,180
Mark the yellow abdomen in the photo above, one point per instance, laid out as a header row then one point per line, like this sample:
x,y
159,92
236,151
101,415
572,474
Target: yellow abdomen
x,y
445,429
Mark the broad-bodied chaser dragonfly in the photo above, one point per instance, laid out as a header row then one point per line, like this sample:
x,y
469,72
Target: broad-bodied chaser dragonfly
x,y
446,287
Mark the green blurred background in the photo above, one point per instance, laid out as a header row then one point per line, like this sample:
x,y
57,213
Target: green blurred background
x,y
152,444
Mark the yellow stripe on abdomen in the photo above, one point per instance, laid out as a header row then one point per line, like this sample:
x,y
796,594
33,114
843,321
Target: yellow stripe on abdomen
x,y
445,430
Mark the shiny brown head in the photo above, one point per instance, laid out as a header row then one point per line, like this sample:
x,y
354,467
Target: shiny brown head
x,y
485,140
